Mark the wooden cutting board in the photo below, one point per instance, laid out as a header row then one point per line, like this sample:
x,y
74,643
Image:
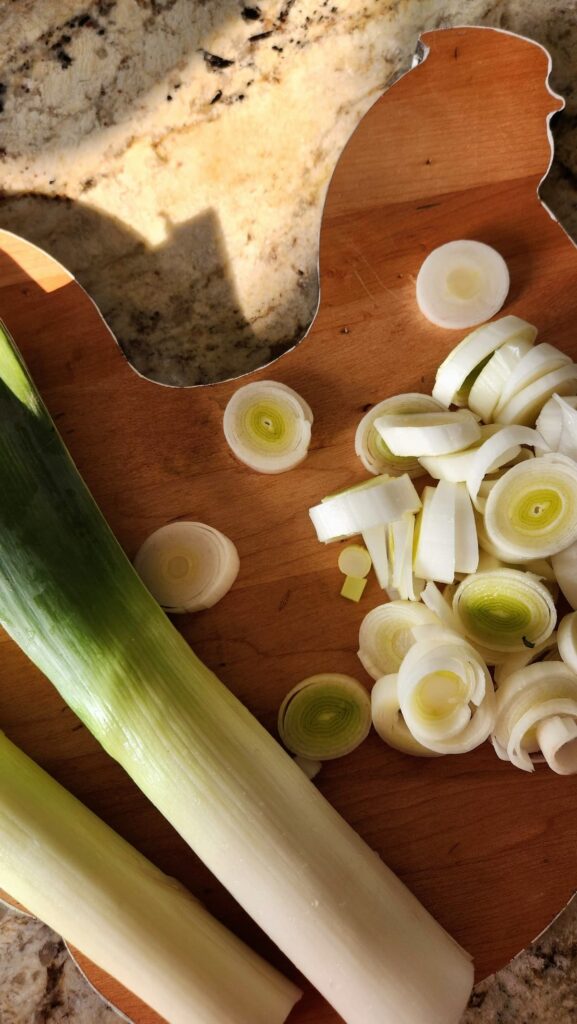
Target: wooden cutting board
x,y
454,149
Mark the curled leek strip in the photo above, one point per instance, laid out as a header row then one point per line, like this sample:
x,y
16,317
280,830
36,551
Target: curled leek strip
x,y
377,501
557,425
531,511
370,447
389,722
325,716
434,557
541,360
557,739
268,426
496,451
446,694
525,406
488,387
513,662
187,566
567,640
386,634
467,359
462,283
526,700
506,609
456,465
428,433
565,568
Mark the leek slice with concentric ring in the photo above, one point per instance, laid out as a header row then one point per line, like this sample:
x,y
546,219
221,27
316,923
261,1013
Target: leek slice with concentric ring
x,y
325,716
268,426
505,609
389,722
466,361
497,450
531,511
372,449
386,634
187,566
462,283
527,700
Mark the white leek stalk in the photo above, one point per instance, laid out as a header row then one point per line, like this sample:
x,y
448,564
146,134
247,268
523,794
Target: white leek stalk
x,y
531,511
357,509
70,869
488,387
565,568
370,447
325,716
505,609
456,465
537,363
429,433
526,405
187,566
268,426
530,703
435,553
386,634
557,425
72,600
389,722
496,451
462,283
446,694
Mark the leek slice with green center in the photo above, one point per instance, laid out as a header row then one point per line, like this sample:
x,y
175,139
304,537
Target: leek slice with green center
x,y
71,599
325,716
505,609
386,634
268,426
74,872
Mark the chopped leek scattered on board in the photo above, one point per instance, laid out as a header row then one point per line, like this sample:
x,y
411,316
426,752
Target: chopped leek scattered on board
x,y
325,716
380,500
268,426
428,433
461,284
74,872
73,602
505,609
371,448
389,722
536,717
471,354
187,566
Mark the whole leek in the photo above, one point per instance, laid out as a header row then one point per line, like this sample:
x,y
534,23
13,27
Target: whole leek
x,y
70,598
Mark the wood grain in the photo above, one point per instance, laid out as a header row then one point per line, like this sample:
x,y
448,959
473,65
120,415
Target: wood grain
x,y
454,149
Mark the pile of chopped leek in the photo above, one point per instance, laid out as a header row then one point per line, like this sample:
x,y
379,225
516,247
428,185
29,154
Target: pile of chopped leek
x,y
473,564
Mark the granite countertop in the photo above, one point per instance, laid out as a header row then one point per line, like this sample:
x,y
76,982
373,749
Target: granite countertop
x,y
175,154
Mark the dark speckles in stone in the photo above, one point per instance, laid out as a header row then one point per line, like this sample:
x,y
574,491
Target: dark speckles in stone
x,y
251,13
217,96
214,62
260,35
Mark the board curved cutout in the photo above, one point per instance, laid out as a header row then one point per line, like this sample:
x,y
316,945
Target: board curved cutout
x,y
457,147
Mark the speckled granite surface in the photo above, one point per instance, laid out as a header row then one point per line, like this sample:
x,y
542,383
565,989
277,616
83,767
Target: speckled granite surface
x,y
174,154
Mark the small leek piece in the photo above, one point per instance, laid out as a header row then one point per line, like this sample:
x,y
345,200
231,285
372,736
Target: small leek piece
x,y
462,283
357,509
429,433
557,425
540,361
528,403
389,722
187,566
370,447
565,568
71,599
386,634
495,452
268,426
354,560
567,640
70,869
376,540
505,609
401,536
437,603
353,588
456,466
533,706
466,360
310,768
435,550
325,716
488,387
446,694
531,511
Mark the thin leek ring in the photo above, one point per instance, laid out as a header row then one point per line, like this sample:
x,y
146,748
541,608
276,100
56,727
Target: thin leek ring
x,y
324,717
505,609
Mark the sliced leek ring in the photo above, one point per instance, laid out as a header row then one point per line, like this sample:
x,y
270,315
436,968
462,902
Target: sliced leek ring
x,y
567,640
268,426
446,694
557,425
358,509
505,609
488,387
355,560
466,361
461,284
526,699
371,448
187,566
389,722
495,451
541,360
557,739
325,716
433,433
526,405
531,511
435,536
456,466
565,568
386,634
